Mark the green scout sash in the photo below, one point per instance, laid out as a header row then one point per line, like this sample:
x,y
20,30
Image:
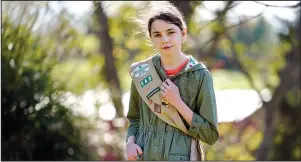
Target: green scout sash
x,y
147,83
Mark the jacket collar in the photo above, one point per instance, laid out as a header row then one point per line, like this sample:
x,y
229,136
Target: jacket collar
x,y
192,65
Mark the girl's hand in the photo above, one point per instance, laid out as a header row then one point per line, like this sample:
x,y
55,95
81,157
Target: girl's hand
x,y
132,151
170,92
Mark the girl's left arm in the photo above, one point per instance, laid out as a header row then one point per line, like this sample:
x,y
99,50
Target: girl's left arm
x,y
200,128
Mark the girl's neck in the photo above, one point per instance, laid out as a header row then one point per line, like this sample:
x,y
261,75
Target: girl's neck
x,y
173,61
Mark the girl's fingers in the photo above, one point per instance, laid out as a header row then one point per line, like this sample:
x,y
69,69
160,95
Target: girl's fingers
x,y
139,150
135,156
163,93
163,89
170,83
166,86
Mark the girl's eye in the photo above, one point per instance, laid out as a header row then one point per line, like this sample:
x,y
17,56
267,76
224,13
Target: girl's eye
x,y
157,35
171,33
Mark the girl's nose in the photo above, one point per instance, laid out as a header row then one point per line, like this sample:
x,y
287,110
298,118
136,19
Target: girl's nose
x,y
165,39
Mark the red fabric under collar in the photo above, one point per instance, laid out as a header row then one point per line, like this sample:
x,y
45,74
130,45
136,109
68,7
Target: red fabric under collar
x,y
176,70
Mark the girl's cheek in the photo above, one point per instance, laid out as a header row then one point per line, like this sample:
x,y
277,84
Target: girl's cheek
x,y
175,38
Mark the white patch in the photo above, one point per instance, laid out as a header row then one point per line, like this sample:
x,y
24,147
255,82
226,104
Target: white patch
x,y
140,70
190,64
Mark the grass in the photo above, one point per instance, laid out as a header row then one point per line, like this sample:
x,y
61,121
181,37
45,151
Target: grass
x,y
227,79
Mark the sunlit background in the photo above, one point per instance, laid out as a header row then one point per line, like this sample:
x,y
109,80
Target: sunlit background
x,y
62,100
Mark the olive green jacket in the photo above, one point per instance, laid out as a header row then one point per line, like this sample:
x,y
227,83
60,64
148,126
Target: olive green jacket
x,y
161,141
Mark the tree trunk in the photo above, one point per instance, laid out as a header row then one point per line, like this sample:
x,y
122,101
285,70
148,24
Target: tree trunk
x,y
106,48
282,121
287,139
185,8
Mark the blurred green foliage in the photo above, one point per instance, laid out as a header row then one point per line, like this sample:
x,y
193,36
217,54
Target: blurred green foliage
x,y
35,124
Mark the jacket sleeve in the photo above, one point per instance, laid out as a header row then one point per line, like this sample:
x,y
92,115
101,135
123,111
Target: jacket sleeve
x,y
133,114
202,129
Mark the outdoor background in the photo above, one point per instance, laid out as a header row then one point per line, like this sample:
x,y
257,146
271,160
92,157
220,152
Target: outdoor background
x,y
65,81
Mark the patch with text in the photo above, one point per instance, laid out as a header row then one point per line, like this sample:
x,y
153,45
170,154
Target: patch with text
x,y
145,81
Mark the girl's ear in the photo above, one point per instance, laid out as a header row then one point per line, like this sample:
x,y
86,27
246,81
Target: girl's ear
x,y
184,34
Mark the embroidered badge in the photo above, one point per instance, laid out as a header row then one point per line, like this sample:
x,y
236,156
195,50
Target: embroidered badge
x,y
157,108
152,92
150,101
145,81
140,70
190,64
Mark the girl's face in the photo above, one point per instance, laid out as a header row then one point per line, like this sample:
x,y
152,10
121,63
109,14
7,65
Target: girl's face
x,y
167,38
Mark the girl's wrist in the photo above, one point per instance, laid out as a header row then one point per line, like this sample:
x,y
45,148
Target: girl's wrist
x,y
130,142
179,103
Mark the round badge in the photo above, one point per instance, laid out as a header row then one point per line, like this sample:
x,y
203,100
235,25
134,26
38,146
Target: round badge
x,y
140,70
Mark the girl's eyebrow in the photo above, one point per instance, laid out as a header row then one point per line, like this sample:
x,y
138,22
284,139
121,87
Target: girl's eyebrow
x,y
155,32
170,29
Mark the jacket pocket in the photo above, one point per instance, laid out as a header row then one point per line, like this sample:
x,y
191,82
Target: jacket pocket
x,y
177,157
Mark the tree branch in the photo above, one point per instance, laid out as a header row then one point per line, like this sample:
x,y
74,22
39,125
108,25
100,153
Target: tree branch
x,y
245,21
230,27
219,16
241,67
36,16
233,5
267,5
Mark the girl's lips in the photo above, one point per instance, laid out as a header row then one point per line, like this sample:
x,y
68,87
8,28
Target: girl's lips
x,y
166,47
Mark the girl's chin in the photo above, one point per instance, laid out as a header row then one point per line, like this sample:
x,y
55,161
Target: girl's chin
x,y
165,53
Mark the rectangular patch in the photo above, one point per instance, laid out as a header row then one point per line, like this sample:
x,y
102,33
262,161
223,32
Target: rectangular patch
x,y
157,108
150,94
146,80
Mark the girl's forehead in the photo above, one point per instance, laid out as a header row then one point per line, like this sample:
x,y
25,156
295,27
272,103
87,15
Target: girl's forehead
x,y
162,26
